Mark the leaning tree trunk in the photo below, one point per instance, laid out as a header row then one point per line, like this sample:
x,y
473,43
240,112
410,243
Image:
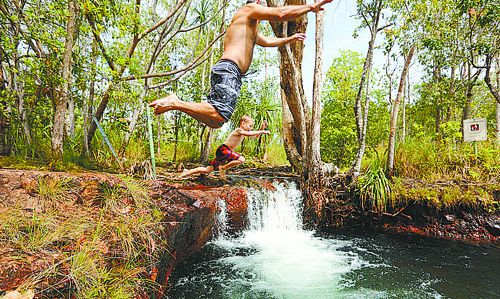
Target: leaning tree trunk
x,y
487,78
364,84
89,103
313,174
394,112
207,144
292,91
62,100
498,103
403,116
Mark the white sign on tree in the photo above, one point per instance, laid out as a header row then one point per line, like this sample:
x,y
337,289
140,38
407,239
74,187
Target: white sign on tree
x,y
475,129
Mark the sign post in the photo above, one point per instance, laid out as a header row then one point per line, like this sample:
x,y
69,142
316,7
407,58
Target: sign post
x,y
475,130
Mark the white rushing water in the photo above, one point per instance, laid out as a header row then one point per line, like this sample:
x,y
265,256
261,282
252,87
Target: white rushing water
x,y
288,261
221,221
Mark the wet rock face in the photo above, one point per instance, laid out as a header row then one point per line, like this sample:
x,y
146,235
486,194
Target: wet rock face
x,y
470,227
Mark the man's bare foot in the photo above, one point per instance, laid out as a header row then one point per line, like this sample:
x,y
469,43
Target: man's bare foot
x,y
165,104
184,174
222,173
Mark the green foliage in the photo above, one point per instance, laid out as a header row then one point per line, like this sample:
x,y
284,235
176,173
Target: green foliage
x,y
338,127
424,158
375,188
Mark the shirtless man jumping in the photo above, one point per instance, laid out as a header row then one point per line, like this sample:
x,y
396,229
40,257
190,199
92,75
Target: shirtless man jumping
x,y
241,37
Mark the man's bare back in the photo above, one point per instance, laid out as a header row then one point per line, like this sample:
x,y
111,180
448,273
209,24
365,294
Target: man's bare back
x,y
242,33
240,39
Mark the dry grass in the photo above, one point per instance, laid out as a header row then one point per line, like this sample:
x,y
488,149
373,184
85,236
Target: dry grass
x,y
103,253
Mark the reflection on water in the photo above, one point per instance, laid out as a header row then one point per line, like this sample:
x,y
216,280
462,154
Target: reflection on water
x,y
276,258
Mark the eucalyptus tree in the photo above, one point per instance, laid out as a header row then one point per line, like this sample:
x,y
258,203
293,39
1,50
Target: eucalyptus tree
x,y
370,13
62,101
395,109
36,45
293,100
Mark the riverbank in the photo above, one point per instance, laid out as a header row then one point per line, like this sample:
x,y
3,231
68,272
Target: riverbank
x,y
102,235
454,210
97,234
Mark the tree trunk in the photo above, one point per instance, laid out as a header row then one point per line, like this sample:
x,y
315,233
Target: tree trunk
x,y
394,113
88,105
289,144
206,147
62,100
498,103
362,116
403,116
71,117
313,174
487,78
177,118
436,77
208,141
471,82
292,92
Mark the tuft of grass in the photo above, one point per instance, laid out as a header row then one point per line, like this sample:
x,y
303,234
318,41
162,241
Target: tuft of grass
x,y
375,188
50,189
103,255
39,231
138,192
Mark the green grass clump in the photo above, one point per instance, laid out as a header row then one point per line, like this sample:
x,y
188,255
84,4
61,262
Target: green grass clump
x,y
375,188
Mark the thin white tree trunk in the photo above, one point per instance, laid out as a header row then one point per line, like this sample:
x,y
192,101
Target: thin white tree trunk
x,y
88,104
362,116
404,101
71,117
314,166
394,112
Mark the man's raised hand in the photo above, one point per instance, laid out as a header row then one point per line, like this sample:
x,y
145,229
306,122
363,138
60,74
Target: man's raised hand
x,y
298,37
317,6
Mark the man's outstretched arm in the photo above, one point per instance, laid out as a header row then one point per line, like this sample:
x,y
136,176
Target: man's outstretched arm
x,y
266,41
283,13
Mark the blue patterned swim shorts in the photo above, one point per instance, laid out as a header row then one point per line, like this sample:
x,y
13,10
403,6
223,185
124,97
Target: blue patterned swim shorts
x,y
226,85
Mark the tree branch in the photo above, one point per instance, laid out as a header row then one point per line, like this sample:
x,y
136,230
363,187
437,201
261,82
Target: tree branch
x,y
97,37
183,72
156,75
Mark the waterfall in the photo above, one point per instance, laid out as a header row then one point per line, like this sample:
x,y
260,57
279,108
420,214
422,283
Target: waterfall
x,y
286,261
221,220
276,258
278,210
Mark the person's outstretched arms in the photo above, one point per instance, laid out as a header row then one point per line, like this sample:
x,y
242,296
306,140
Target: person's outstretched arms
x,y
283,13
266,41
252,133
